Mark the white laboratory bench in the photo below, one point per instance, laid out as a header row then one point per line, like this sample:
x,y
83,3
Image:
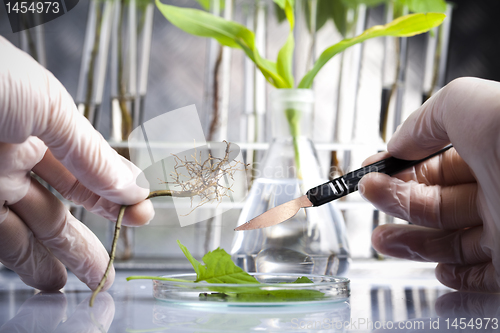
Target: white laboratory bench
x,y
397,294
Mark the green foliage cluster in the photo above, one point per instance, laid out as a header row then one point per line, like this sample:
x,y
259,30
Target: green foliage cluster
x,y
279,73
336,11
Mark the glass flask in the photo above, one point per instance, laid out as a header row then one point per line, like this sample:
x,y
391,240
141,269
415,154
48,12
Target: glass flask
x,y
313,241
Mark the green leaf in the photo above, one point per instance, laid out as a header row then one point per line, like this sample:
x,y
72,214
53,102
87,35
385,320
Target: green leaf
x,y
285,55
283,3
218,268
227,33
259,295
207,4
255,294
425,6
197,266
407,26
404,26
399,8
323,13
339,16
303,279
280,13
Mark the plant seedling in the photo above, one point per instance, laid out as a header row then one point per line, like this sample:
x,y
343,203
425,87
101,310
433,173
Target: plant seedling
x,y
204,180
279,73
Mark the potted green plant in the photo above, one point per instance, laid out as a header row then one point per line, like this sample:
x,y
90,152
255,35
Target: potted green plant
x,y
314,242
279,73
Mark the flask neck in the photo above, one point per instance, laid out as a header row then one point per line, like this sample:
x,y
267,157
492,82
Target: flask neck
x,y
280,161
292,112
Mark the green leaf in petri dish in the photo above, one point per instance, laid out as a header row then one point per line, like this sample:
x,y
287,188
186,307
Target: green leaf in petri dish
x,y
218,268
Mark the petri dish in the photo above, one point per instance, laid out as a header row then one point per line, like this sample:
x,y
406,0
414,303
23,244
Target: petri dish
x,y
275,289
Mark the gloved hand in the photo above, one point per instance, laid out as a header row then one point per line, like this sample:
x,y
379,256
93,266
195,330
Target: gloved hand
x,y
38,236
453,199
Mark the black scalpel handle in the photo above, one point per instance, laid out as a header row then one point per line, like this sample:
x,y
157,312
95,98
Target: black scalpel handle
x,y
348,183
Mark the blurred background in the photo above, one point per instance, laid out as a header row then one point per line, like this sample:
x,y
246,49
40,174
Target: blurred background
x,y
174,69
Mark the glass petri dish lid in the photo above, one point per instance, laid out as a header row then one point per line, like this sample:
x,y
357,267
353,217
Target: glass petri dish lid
x,y
275,289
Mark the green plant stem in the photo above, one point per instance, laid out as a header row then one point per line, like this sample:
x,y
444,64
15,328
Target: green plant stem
x,y
111,256
154,194
122,91
293,117
214,125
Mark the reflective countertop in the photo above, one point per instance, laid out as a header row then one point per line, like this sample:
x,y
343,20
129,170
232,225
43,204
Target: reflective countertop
x,y
385,296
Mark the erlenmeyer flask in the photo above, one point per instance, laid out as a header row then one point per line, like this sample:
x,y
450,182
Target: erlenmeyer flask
x,y
312,242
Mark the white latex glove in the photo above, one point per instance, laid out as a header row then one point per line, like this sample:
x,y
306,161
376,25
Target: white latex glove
x,y
38,236
453,200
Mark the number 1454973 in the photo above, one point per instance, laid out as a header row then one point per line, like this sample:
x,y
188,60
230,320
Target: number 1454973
x,y
23,7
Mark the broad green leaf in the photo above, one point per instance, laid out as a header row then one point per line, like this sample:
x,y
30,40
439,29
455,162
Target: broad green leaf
x,y
280,13
403,26
329,9
255,294
407,26
425,6
283,3
197,266
205,4
259,295
323,13
399,8
227,33
339,15
285,55
218,268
